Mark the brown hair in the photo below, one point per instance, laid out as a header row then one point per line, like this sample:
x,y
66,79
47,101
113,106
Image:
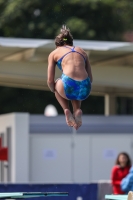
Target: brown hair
x,y
128,159
65,37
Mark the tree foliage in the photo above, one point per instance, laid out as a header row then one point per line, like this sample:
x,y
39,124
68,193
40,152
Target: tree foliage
x,y
88,19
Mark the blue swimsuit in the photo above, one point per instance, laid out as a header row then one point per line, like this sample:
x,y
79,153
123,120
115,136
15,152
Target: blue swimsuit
x,y
74,90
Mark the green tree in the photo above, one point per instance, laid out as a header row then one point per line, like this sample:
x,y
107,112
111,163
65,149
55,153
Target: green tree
x,y
88,19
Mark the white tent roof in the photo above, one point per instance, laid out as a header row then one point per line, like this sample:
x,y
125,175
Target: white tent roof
x,y
23,63
85,44
23,43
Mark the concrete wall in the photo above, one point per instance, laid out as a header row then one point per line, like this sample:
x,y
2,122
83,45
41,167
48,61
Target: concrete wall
x,y
38,155
14,129
79,159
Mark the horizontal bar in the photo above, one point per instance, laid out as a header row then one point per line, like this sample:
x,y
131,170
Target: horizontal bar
x,y
31,194
116,197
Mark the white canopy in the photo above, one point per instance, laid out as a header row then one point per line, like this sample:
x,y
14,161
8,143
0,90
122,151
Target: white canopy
x,y
85,44
23,63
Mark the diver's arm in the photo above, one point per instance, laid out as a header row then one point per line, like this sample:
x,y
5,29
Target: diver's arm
x,y
51,72
88,69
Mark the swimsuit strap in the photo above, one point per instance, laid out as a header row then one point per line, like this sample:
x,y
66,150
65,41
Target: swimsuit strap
x,y
73,50
81,55
64,56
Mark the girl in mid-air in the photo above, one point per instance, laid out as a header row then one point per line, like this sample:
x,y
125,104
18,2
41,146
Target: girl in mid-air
x,y
75,82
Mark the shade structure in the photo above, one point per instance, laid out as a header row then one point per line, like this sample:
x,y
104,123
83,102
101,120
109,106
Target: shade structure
x,y
22,195
23,64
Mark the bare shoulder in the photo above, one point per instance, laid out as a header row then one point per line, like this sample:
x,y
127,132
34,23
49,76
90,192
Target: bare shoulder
x,y
82,51
51,55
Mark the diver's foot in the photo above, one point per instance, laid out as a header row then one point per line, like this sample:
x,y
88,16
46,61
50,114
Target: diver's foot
x,y
78,117
69,119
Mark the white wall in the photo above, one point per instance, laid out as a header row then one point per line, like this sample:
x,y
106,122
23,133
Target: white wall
x,y
104,149
80,159
18,163
58,158
50,158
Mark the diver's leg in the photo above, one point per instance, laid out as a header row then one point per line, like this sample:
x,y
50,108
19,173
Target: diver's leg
x,y
64,102
76,105
77,112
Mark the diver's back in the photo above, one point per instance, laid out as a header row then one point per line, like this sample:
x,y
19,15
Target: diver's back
x,y
72,61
